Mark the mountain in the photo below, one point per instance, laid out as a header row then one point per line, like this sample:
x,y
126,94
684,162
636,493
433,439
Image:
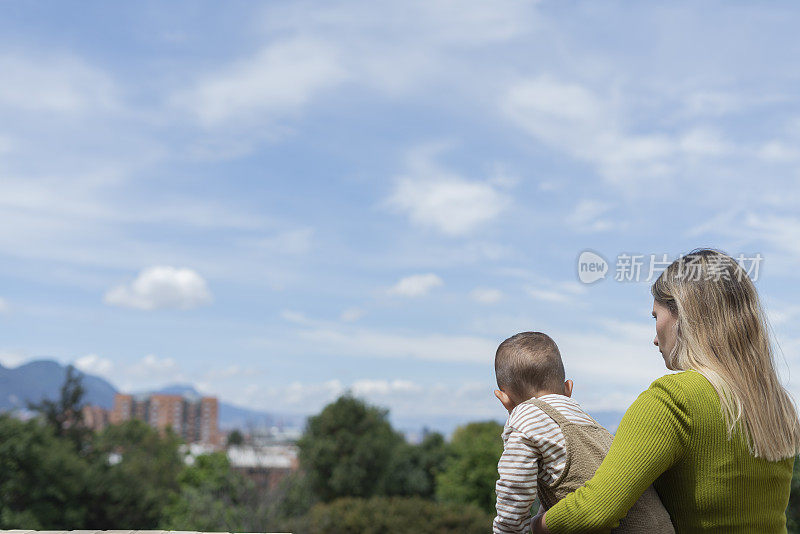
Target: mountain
x,y
40,379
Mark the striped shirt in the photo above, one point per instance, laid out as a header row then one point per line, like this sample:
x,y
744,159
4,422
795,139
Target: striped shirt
x,y
534,448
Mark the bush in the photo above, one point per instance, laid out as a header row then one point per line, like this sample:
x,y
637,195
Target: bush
x,y
213,497
389,515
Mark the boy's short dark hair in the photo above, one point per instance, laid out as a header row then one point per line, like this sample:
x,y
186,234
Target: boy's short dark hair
x,y
528,363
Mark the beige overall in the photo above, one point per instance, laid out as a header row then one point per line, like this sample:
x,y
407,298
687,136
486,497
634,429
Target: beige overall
x,y
587,445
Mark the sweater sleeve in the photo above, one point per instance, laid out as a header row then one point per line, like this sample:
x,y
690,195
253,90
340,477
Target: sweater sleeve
x,y
652,436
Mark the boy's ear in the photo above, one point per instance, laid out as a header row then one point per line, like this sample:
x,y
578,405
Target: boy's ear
x,y
504,399
568,388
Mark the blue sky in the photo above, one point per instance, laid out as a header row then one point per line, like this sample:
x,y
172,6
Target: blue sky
x,y
279,201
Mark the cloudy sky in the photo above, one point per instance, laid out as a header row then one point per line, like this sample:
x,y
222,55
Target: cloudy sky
x,y
276,202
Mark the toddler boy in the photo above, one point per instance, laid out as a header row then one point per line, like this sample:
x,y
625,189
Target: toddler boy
x,y
551,446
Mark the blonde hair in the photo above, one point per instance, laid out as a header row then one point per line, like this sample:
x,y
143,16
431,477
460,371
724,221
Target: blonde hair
x,y
723,333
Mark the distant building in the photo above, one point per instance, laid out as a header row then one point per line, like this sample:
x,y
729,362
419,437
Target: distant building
x,y
95,417
267,466
194,419
274,435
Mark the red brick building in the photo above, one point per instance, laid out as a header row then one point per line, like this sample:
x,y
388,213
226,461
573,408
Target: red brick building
x,y
95,417
194,419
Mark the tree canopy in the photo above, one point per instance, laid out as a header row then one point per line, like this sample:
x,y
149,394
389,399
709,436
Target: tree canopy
x,y
470,470
347,449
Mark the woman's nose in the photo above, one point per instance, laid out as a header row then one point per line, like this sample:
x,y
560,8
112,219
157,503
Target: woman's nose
x,y
655,341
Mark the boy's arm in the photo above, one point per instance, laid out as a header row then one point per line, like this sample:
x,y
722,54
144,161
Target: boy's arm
x,y
516,488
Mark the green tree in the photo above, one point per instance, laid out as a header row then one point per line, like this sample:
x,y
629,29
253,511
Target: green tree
x,y
392,515
470,470
347,449
413,468
213,497
42,478
134,474
293,498
65,415
235,438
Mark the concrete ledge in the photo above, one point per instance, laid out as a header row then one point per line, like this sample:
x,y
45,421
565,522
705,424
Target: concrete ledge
x,y
24,531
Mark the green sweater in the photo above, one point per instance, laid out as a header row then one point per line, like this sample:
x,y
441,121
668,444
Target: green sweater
x,y
673,436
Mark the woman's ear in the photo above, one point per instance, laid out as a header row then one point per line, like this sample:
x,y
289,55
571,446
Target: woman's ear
x,y
568,388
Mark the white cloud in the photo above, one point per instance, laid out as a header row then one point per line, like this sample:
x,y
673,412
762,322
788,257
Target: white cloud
x,y
713,103
282,78
587,216
549,295
778,152
4,307
704,142
379,344
467,400
416,285
351,314
572,118
6,144
12,359
149,372
95,365
295,317
486,295
85,221
371,387
780,231
62,84
467,23
231,371
782,314
562,292
151,366
634,331
774,235
600,129
296,241
404,47
434,197
162,287
298,393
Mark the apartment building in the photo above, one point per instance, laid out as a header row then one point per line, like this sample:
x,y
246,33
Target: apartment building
x,y
193,418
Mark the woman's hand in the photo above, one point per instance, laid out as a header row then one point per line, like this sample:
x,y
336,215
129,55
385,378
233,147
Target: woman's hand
x,y
537,523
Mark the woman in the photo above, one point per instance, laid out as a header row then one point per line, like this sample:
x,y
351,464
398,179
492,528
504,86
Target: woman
x,y
718,439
